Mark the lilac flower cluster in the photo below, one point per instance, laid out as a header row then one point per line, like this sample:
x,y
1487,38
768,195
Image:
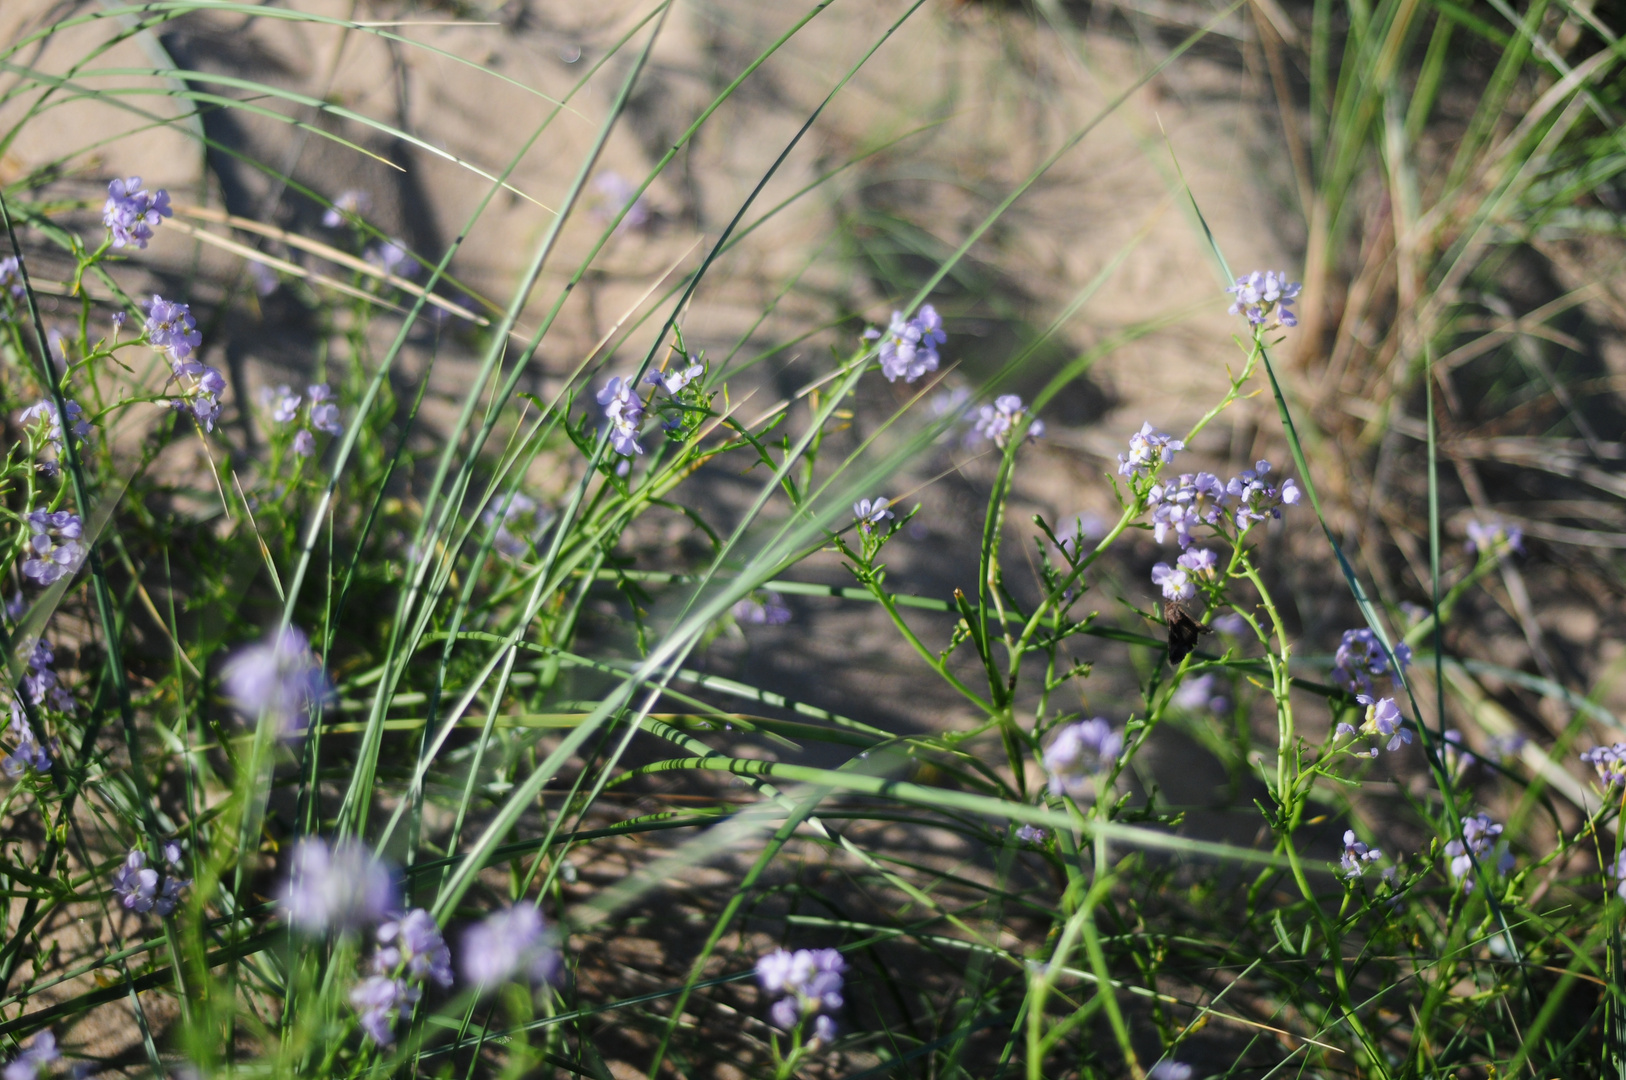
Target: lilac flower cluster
x,y
1196,499
392,257
1179,582
35,1058
908,347
56,545
674,381
1148,450
40,684
520,522
1253,499
1458,759
508,944
1202,692
811,981
619,194
171,329
1360,658
351,203
343,888
994,422
1489,537
280,677
624,409
132,212
764,609
44,414
322,414
138,887
870,513
1169,1070
29,753
1610,762
1383,720
11,277
1078,753
1182,505
1032,834
410,951
378,1001
1357,855
1262,293
1479,835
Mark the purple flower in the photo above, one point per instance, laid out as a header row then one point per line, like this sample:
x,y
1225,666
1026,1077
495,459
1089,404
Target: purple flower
x,y
349,203
955,403
1032,834
869,513
325,417
34,1058
1360,656
44,413
135,885
994,422
674,381
1257,500
1078,752
378,1001
55,545
138,886
1148,449
304,443
392,258
1502,747
11,277
413,941
619,194
1617,870
1174,582
1383,719
520,522
762,609
1169,1070
171,327
1458,759
1357,855
131,212
512,943
1479,835
265,278
1610,762
1489,537
1231,624
282,402
810,981
1200,564
1202,692
908,348
29,753
624,409
1262,292
342,888
40,683
1196,499
280,677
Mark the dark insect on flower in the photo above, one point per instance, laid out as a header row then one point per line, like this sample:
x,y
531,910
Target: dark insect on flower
x,y
1183,631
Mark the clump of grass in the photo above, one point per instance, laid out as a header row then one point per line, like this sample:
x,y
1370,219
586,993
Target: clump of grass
x,y
354,752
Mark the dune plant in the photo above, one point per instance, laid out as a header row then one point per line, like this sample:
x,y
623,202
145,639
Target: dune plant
x,y
375,742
